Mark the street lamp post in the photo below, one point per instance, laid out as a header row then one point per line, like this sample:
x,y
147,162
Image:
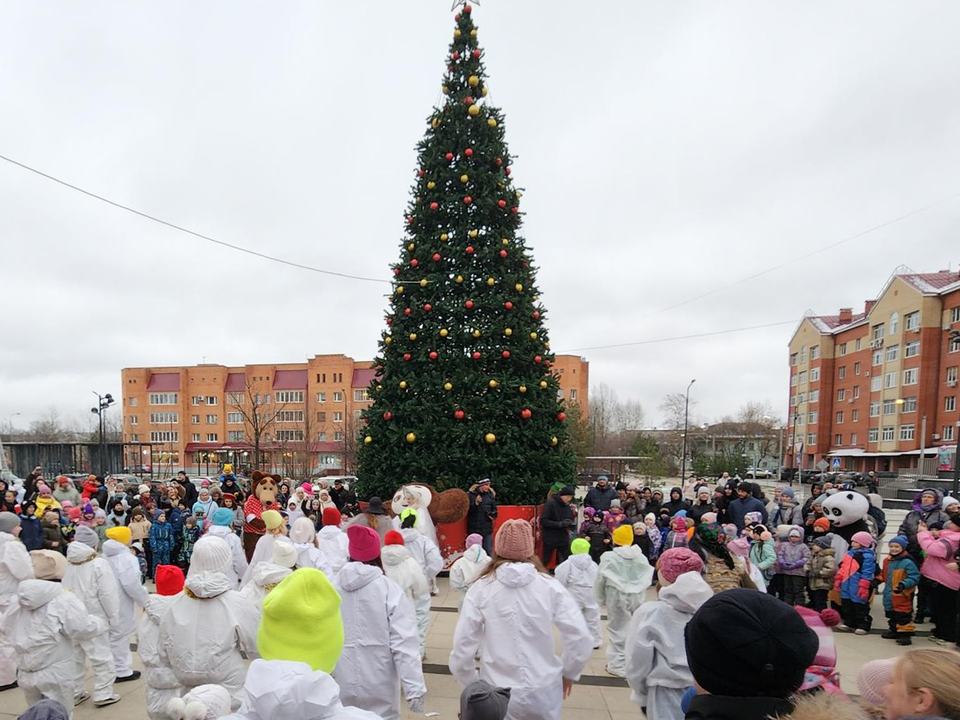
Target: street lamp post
x,y
686,419
103,402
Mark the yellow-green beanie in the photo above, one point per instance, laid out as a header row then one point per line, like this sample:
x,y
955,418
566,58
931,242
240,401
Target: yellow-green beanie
x,y
301,621
272,519
580,546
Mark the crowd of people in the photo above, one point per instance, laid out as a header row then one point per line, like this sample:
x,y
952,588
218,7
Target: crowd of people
x,y
719,604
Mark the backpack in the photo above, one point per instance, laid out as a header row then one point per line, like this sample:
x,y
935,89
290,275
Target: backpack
x,y
879,517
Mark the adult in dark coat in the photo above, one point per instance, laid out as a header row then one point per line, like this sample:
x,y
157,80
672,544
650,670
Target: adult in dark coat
x,y
482,512
816,490
601,495
703,505
746,502
557,522
342,495
676,503
102,495
189,493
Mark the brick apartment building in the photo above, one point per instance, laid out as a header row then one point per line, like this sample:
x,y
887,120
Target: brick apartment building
x,y
196,418
873,390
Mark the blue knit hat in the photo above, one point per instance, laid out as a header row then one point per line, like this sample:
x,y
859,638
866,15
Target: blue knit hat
x,y
899,540
223,516
199,507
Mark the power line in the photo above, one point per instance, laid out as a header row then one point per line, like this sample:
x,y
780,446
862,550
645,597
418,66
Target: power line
x,y
682,337
248,251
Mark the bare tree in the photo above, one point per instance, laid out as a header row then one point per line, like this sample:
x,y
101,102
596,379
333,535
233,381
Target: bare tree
x,y
49,429
629,416
257,416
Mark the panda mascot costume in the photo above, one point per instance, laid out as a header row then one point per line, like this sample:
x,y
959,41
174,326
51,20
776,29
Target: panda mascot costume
x,y
849,513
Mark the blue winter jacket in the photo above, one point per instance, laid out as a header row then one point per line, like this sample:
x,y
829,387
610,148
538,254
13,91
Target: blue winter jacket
x,y
857,565
740,507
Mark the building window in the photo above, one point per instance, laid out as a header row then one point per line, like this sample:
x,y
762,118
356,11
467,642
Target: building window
x,y
812,416
811,438
889,407
909,405
910,376
842,372
132,402
843,349
911,349
133,419
793,359
840,418
815,352
803,354
289,416
211,400
361,395
573,394
289,396
234,418
803,377
212,437
234,398
954,344
134,437
878,332
952,374
853,438
322,437
893,352
912,320
859,344
890,379
878,357
814,374
894,322
338,437
906,432
321,417
196,400
194,419
164,436
321,397
876,382
793,380
841,395
793,401
873,435
949,404
947,433
955,314
213,419
289,436
875,408
854,415
338,417
338,397
888,433
195,437
163,398
838,439
856,368
799,419
235,436
814,395
856,391
164,418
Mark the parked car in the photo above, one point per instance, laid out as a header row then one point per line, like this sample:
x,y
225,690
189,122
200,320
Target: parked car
x,y
757,473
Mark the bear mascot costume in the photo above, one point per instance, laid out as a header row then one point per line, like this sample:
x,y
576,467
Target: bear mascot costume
x,y
263,496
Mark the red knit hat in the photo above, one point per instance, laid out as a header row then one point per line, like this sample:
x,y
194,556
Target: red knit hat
x,y
331,516
393,538
364,543
821,524
169,580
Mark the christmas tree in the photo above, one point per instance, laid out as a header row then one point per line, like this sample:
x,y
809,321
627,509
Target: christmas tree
x,y
464,387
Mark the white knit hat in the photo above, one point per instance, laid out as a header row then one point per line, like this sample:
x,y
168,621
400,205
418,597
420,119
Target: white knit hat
x,y
143,490
873,677
204,702
284,553
87,536
210,554
302,531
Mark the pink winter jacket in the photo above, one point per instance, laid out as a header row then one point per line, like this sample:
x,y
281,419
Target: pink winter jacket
x,y
939,553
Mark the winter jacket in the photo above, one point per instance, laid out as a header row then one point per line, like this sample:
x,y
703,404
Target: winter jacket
x,y
719,576
126,570
763,556
423,550
15,565
468,567
623,578
792,558
90,578
204,631
823,569
900,577
287,690
596,533
52,537
381,648
785,513
856,575
675,506
656,656
66,493
524,605
600,499
238,566
739,508
309,555
482,512
809,706
161,537
399,566
140,529
938,553
334,546
159,675
31,532
701,509
927,515
577,571
44,502
614,518
557,521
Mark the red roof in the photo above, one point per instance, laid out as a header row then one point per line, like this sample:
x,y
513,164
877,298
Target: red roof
x,y
236,382
931,282
164,382
290,380
833,321
363,377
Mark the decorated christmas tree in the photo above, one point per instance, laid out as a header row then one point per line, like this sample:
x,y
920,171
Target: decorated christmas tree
x,y
464,388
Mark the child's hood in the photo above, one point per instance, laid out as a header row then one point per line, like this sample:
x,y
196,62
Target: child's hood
x,y
78,553
34,594
687,594
112,548
355,575
208,584
517,574
394,554
266,573
287,690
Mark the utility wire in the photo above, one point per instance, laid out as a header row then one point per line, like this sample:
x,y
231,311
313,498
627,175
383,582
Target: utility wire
x,y
182,229
682,337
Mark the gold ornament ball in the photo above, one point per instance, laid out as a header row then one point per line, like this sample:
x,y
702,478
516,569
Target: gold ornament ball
x,y
483,93
473,33
553,440
491,282
493,384
403,384
388,339
491,122
448,387
411,438
431,185
546,345
490,438
400,290
533,336
474,110
444,332
522,389
464,178
518,287
535,298
473,80
435,123
543,384
367,440
445,89
411,246
379,388
423,282
476,333
505,241
413,336
457,33
508,332
474,233
459,278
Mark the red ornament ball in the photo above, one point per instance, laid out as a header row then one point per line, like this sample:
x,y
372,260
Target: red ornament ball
x,y
468,101
536,314
436,257
506,354
503,253
456,55
459,415
508,305
456,18
476,54
470,250
500,203
432,355
436,205
468,304
389,321
421,172
388,415
561,416
468,152
449,157
406,356
428,307
499,162
414,262
526,414
514,210
467,9
407,311
410,220
537,359
396,272
507,171
476,356
467,200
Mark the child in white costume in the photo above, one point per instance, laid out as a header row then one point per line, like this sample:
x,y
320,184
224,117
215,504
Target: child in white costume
x,y
468,566
126,569
15,566
304,539
267,575
400,567
332,540
222,528
421,548
578,574
162,683
657,669
623,579
264,549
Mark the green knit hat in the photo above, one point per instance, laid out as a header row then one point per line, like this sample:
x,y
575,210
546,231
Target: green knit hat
x,y
301,621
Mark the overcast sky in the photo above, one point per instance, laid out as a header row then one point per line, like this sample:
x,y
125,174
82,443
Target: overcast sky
x,y
666,149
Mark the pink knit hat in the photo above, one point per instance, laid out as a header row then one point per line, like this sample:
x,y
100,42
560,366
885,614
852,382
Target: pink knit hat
x,y
514,540
364,543
708,517
873,677
677,561
474,539
863,538
307,488
739,547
